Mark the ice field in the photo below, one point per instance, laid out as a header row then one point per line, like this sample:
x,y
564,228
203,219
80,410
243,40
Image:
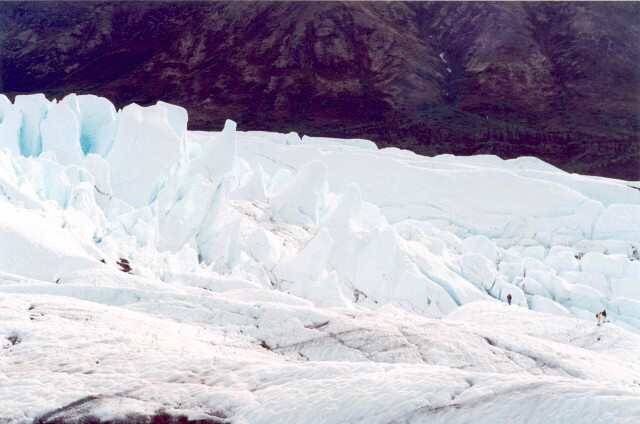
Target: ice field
x,y
279,278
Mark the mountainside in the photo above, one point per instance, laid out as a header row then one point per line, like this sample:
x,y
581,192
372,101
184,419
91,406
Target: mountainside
x,y
560,81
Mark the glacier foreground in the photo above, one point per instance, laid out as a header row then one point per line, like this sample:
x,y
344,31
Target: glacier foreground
x,y
252,277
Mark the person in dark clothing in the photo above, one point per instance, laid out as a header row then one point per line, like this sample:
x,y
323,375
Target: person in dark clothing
x,y
124,265
509,298
601,317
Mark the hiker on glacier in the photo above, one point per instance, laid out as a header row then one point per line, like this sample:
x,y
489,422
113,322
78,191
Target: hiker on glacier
x,y
601,317
509,298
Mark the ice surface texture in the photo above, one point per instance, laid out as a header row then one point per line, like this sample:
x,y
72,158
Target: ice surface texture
x,y
279,278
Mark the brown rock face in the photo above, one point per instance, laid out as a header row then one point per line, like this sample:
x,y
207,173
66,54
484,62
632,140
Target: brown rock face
x,y
556,80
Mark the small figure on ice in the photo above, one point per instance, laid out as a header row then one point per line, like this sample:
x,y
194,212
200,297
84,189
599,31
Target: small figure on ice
x,y
124,265
509,298
601,317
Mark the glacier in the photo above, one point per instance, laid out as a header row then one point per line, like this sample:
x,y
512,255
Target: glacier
x,y
280,278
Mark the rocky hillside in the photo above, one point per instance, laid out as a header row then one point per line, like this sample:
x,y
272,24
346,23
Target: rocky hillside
x,y
557,80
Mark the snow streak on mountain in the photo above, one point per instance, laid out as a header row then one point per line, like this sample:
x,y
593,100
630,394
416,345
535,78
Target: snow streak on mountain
x,y
147,271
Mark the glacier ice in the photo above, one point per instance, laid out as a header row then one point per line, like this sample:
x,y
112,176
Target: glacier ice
x,y
619,221
33,109
167,189
97,117
55,254
304,200
143,152
61,134
178,118
10,125
258,258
